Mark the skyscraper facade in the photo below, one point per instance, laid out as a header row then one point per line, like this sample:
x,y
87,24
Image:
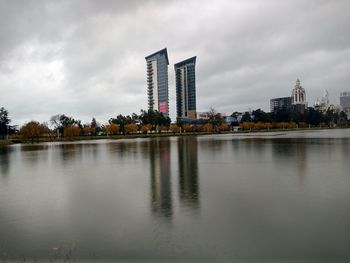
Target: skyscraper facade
x,y
277,104
345,101
157,81
185,75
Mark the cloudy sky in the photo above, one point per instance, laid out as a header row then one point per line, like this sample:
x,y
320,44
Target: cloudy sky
x,y
86,58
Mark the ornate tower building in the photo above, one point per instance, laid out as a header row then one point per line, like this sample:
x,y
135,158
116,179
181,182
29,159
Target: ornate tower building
x,y
299,97
298,94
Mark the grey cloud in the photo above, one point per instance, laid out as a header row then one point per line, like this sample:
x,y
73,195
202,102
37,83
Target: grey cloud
x,y
85,58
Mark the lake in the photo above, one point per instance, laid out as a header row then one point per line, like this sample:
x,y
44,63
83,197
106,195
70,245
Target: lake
x,y
236,198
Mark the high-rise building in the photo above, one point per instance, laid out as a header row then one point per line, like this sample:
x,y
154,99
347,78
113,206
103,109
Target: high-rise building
x,y
284,103
299,97
157,81
186,88
345,101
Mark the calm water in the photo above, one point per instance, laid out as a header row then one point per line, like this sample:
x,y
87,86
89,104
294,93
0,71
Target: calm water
x,y
275,196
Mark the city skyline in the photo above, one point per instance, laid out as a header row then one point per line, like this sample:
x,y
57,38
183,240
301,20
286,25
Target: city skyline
x,y
295,102
86,59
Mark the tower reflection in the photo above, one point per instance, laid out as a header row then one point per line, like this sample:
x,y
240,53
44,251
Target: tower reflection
x,y
188,171
4,159
160,176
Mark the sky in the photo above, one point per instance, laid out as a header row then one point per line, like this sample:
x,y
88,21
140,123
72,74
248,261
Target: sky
x,y
86,58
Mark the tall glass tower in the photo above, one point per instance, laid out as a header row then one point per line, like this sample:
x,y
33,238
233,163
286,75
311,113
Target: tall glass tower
x,y
345,102
186,88
157,81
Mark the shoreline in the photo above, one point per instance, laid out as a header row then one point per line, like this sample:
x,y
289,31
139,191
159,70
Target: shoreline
x,y
157,135
5,142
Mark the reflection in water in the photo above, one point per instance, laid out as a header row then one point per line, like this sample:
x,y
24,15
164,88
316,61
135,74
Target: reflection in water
x,y
284,151
212,145
257,146
34,153
345,146
92,150
161,176
294,150
287,151
4,159
33,147
69,152
125,150
251,202
188,170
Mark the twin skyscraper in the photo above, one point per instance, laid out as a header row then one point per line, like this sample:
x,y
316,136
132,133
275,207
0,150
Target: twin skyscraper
x,y
158,88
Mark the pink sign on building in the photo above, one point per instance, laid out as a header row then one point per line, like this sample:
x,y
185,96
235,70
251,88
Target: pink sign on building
x,y
163,107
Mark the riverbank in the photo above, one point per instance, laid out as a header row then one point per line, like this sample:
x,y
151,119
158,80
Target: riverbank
x,y
156,135
110,137
5,142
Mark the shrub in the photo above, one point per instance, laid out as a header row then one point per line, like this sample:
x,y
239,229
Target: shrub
x,y
71,131
33,130
112,128
207,128
174,128
130,128
223,127
187,128
146,128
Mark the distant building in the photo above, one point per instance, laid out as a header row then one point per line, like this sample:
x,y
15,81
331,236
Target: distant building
x,y
345,101
157,81
229,119
323,105
325,98
299,97
185,74
280,104
203,115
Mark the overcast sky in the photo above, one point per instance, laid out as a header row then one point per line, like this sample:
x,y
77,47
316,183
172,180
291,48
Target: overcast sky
x,y
86,58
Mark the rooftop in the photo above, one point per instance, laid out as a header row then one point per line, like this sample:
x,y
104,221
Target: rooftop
x,y
162,51
186,61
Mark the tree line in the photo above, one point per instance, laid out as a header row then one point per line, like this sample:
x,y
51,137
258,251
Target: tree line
x,y
144,123
155,122
66,126
284,118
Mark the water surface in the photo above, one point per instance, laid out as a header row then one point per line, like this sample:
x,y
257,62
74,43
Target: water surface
x,y
265,196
